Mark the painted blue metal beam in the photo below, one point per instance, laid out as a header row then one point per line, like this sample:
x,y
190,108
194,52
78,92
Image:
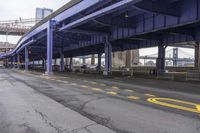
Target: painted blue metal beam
x,y
26,58
99,13
158,7
50,30
25,45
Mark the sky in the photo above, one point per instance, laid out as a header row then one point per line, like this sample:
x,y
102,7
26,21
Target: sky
x,y
25,9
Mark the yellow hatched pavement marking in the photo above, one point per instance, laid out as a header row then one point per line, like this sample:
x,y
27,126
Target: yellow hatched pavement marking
x,y
127,90
150,95
115,87
96,89
102,84
85,81
84,86
163,102
133,97
59,80
94,83
112,93
198,107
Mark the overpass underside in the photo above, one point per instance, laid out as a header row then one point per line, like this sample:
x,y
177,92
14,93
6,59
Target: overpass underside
x,y
82,27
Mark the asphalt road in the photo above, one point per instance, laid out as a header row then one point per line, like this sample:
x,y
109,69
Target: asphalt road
x,y
115,105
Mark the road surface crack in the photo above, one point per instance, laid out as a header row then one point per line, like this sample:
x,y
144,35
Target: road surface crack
x,y
81,128
47,121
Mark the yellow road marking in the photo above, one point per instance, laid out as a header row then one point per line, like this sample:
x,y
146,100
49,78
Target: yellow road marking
x,y
112,93
93,83
115,87
150,95
85,81
198,107
133,97
129,90
96,89
102,85
73,84
181,107
84,86
59,80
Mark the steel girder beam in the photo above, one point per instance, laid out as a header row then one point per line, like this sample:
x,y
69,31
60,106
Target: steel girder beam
x,y
86,32
25,45
99,13
157,7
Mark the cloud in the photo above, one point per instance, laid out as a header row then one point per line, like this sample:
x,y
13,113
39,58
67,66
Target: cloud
x,y
13,9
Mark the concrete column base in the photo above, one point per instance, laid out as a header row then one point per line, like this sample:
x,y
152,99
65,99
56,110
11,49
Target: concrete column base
x,y
48,74
107,74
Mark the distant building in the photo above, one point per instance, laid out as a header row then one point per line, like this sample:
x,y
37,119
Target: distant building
x,y
127,58
41,13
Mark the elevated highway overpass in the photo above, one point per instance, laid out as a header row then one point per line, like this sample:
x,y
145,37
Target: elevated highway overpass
x,y
83,27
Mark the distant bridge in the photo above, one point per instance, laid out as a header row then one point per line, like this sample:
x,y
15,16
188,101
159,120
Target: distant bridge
x,y
17,27
4,46
173,55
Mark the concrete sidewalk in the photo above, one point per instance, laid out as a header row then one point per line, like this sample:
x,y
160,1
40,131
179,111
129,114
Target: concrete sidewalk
x,y
23,110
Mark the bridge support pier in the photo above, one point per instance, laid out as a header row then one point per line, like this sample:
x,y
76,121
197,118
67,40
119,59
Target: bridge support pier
x,y
99,61
44,63
14,62
18,61
160,62
62,64
197,56
26,59
49,46
92,59
71,63
108,58
83,60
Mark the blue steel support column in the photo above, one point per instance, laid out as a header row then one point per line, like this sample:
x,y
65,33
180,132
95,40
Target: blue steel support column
x,y
18,61
108,57
99,61
62,64
197,56
160,62
14,61
71,63
26,59
50,29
